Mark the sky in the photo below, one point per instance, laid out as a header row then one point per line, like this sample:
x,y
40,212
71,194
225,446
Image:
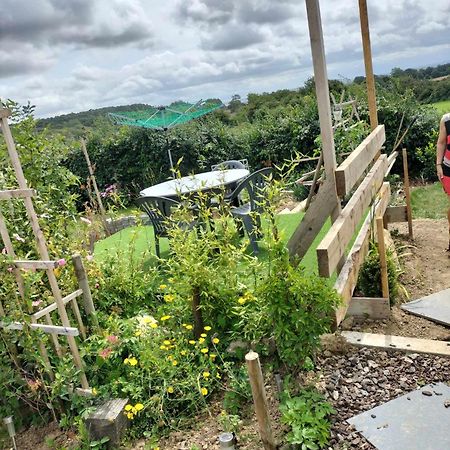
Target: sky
x,y
74,55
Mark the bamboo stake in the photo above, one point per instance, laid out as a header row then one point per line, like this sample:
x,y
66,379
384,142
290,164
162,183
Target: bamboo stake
x,y
370,79
76,311
44,354
94,183
314,182
383,260
83,283
54,337
407,193
42,246
260,400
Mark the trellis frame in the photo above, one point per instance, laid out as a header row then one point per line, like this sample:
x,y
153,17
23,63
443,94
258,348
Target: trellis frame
x,y
45,264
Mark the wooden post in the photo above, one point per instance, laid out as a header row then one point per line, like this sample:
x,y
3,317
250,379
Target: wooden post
x,y
407,193
370,79
42,246
322,89
260,400
94,183
54,337
314,182
383,260
83,283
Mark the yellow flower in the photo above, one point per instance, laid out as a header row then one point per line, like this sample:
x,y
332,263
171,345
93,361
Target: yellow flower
x,y
130,415
189,327
201,340
132,361
206,374
170,390
203,335
128,407
138,333
204,350
218,376
126,361
163,347
57,272
162,286
204,391
163,318
208,328
147,319
216,340
94,391
191,342
174,362
183,352
154,325
241,300
169,298
139,406
166,342
212,356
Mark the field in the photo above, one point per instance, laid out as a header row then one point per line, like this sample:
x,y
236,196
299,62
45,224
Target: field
x,y
442,107
429,202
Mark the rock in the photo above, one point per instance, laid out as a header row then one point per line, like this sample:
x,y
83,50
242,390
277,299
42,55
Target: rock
x,y
347,323
427,393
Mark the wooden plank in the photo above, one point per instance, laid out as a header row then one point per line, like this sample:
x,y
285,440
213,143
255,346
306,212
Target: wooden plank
x,y
44,265
390,342
324,203
54,337
17,193
383,257
391,161
4,112
50,308
374,308
396,214
333,246
367,50
50,329
348,276
351,170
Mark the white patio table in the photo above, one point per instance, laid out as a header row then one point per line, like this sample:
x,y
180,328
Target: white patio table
x,y
206,181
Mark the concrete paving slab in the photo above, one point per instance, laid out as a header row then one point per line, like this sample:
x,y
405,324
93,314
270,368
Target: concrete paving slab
x,y
419,420
435,307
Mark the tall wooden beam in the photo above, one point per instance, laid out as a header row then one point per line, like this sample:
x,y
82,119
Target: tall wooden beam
x,y
322,89
370,79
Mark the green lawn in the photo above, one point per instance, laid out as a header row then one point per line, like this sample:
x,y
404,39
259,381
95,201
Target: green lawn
x,y
141,239
429,202
442,107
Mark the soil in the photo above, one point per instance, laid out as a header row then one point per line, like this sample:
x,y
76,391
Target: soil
x,y
353,380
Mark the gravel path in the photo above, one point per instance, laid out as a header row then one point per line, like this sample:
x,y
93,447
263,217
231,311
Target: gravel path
x,y
364,378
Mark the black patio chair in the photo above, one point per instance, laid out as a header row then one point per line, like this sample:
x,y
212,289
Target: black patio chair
x,y
159,210
232,164
249,212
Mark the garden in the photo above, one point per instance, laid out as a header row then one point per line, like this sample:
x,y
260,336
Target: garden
x,y
170,335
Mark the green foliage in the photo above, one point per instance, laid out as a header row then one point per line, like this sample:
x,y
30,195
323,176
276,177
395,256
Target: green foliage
x,y
307,416
369,280
238,390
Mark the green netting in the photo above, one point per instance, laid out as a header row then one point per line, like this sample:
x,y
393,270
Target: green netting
x,y
165,117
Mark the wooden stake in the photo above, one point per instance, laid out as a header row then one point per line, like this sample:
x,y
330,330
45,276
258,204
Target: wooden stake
x,y
42,247
407,193
77,314
83,283
314,182
54,337
260,400
383,260
370,79
94,183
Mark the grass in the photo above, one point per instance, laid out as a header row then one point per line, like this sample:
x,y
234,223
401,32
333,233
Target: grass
x,y
429,202
442,107
142,239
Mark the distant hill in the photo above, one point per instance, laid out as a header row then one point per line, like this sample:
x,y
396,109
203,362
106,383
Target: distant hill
x,y
74,124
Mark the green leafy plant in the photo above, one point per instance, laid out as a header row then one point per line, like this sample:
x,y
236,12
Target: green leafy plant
x,y
307,415
369,280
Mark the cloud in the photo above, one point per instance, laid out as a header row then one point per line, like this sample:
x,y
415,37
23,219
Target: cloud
x,y
232,37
